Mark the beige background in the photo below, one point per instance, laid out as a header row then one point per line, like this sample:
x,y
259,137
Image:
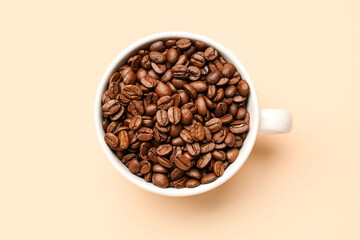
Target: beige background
x,y
56,183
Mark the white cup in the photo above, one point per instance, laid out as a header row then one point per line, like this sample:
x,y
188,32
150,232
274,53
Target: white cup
x,y
261,121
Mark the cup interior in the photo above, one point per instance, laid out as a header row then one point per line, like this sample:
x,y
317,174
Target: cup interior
x,y
252,107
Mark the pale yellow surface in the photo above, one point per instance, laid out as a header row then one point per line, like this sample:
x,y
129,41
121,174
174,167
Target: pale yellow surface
x,y
56,183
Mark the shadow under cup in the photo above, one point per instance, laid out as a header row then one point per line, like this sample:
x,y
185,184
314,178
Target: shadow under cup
x,y
252,108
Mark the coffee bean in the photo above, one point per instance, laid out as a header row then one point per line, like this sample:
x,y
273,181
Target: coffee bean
x,y
136,108
220,93
193,149
162,90
230,139
226,119
243,88
132,92
232,154
228,70
193,73
148,81
135,122
176,173
172,55
158,68
145,134
198,60
190,90
239,126
239,140
182,60
200,86
174,115
164,103
175,130
157,46
211,54
197,132
191,183
124,140
151,109
177,141
186,116
111,107
180,71
220,109
183,44
159,169
214,125
111,140
218,168
182,162
160,180
165,162
190,51
219,136
162,117
213,77
208,178
179,183
164,150
134,166
157,57
186,136
219,155
194,173
207,147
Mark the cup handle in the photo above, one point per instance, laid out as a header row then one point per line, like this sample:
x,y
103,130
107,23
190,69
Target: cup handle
x,y
275,121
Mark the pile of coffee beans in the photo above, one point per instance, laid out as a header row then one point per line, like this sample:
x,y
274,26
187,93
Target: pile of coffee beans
x,y
175,114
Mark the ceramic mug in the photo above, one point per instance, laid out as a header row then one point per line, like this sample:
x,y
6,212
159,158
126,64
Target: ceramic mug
x,y
261,121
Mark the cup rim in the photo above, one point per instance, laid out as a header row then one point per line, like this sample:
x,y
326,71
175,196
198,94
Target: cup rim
x,y
245,149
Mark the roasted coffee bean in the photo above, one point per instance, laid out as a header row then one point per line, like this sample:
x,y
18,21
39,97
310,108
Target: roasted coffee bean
x,y
183,43
172,55
180,71
157,46
165,162
220,109
232,154
164,103
148,81
207,147
136,108
157,57
176,173
219,136
164,150
124,140
218,168
111,140
174,108
174,115
213,77
198,60
243,88
177,141
238,141
228,70
135,122
162,90
200,86
193,149
145,134
175,130
162,117
186,136
183,162
190,90
230,140
191,183
134,166
239,126
208,178
111,107
197,132
186,116
160,180
214,125
132,92
150,109
159,169
194,73
219,155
